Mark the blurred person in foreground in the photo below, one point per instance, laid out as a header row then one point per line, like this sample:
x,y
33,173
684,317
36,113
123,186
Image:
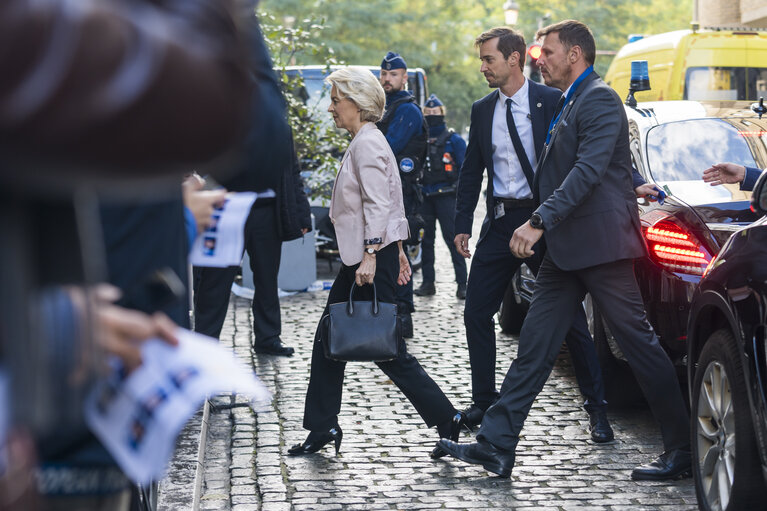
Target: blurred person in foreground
x,y
369,217
94,93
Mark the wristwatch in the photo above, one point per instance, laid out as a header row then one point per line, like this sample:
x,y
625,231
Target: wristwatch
x,y
536,221
371,251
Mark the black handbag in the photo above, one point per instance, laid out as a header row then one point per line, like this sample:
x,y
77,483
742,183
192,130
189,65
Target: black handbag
x,y
361,330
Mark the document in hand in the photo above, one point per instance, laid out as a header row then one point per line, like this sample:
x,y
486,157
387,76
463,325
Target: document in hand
x,y
138,416
222,244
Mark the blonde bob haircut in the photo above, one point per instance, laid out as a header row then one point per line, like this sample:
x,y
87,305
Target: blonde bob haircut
x,y
362,87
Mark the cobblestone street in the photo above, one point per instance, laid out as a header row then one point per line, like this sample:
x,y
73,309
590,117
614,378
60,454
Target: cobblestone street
x,y
384,461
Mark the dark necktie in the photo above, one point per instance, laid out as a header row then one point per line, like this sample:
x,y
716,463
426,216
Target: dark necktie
x,y
560,105
518,147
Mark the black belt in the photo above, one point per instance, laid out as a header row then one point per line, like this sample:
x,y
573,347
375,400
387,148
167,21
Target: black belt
x,y
515,203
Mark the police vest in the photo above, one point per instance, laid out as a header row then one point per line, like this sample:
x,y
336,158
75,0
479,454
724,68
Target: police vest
x,y
440,167
412,158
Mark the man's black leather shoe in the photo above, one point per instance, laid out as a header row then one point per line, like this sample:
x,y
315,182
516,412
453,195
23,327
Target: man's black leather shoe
x,y
426,289
456,424
274,348
675,464
406,322
460,292
474,415
481,453
599,426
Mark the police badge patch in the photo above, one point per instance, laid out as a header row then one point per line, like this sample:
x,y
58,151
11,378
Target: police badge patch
x,y
406,165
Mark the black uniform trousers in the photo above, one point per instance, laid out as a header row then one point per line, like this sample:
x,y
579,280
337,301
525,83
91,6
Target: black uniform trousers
x,y
411,198
212,285
323,397
440,208
492,268
557,296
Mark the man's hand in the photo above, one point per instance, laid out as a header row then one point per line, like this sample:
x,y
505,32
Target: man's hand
x,y
366,271
724,173
524,238
462,244
200,202
647,190
120,331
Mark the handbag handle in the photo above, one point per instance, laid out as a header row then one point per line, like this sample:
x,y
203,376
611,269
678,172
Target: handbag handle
x,y
350,304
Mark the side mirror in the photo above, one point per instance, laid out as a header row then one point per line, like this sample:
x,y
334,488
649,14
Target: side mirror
x,y
759,197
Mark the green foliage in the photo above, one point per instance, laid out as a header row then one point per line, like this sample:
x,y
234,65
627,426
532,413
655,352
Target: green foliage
x,y
438,35
318,143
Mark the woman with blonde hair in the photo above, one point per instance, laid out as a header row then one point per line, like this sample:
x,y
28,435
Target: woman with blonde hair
x,y
369,217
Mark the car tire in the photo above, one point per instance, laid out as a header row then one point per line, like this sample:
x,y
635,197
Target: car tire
x,y
513,309
621,387
721,414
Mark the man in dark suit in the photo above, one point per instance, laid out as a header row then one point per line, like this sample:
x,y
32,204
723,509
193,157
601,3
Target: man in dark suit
x,y
589,218
270,222
508,129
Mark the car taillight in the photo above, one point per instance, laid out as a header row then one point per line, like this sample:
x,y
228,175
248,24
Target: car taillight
x,y
672,246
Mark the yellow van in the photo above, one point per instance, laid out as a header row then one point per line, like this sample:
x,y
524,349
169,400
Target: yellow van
x,y
709,64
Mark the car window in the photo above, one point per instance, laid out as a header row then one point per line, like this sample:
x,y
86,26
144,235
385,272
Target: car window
x,y
317,94
725,83
679,152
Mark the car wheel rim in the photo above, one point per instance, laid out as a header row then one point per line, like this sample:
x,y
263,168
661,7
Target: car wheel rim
x,y
716,436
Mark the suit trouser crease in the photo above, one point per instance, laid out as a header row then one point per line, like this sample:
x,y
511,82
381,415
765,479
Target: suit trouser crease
x,y
323,397
440,208
557,297
492,268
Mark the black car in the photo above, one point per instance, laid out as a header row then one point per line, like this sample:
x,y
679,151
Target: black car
x,y
727,371
672,142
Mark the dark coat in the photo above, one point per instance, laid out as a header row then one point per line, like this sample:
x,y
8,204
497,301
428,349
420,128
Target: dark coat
x,y
584,182
479,154
292,205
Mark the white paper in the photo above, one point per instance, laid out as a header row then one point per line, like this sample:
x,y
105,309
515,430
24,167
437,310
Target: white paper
x,y
221,244
138,417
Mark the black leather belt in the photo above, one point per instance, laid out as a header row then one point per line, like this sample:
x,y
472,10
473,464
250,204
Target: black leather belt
x,y
516,203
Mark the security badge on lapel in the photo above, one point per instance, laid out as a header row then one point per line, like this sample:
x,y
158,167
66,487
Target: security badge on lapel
x,y
499,210
554,129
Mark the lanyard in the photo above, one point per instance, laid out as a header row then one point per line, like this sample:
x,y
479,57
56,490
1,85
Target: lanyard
x,y
573,88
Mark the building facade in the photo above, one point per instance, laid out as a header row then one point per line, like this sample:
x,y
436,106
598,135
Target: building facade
x,y
731,13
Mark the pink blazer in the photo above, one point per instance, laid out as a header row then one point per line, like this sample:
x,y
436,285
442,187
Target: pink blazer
x,y
367,196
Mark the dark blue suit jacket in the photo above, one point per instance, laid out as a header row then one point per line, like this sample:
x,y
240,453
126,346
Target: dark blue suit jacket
x,y
752,174
479,154
584,183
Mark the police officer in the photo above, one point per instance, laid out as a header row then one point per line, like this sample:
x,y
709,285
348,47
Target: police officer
x,y
406,131
444,158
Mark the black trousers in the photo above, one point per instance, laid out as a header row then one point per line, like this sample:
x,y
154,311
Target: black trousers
x,y
440,208
212,285
323,397
492,268
557,296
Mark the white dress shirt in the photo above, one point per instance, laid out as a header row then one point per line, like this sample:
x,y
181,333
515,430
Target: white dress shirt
x,y
509,181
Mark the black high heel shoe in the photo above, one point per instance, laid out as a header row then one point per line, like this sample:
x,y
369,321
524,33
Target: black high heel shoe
x,y
458,422
317,440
